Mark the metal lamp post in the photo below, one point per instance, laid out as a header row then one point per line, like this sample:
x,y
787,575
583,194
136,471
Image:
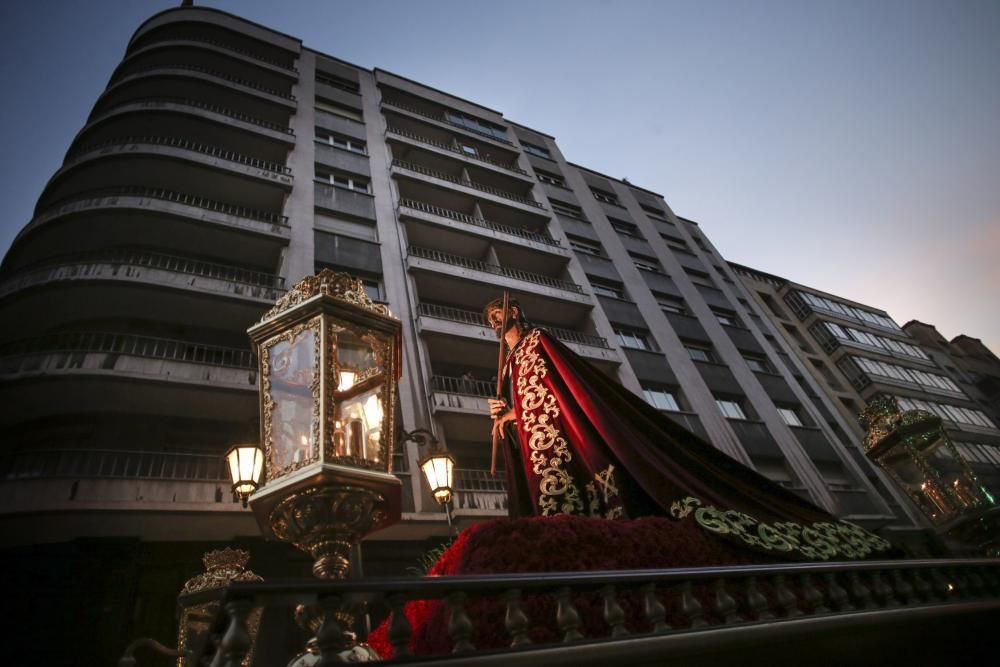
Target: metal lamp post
x,y
916,452
329,363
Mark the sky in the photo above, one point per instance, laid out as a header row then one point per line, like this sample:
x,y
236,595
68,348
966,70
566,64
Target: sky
x,y
850,146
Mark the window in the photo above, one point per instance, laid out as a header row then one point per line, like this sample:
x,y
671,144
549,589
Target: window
x,y
550,178
605,196
699,277
623,227
562,208
343,180
585,246
758,364
538,151
789,416
632,338
338,82
730,408
726,317
475,125
645,262
346,143
654,212
468,149
699,352
607,288
661,398
671,304
338,109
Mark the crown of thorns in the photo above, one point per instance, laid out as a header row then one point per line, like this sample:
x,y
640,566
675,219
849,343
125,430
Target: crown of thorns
x,y
497,304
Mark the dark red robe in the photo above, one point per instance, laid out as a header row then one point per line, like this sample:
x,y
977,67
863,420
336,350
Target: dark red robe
x,y
585,445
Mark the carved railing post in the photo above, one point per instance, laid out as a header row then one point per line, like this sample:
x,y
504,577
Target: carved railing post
x,y
902,588
330,636
399,628
882,592
836,593
786,598
655,612
920,586
690,607
723,603
567,617
235,642
757,602
516,620
459,625
812,599
861,594
613,614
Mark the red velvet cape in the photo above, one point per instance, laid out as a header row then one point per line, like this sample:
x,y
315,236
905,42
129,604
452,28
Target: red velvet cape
x,y
585,445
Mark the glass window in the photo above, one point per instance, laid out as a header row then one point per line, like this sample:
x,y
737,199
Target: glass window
x,y
699,352
562,208
470,150
585,246
342,180
339,109
607,288
550,178
758,364
662,399
669,304
605,196
645,262
727,318
632,338
789,416
730,409
623,227
539,151
338,82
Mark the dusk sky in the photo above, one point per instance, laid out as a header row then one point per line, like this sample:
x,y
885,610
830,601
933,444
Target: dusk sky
x,y
850,146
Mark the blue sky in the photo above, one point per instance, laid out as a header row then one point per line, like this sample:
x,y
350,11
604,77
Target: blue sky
x,y
851,146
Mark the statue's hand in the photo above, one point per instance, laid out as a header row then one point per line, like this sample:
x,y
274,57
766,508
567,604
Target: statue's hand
x,y
498,423
497,407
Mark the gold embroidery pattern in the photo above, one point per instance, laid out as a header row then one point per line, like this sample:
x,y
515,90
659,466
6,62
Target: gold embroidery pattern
x,y
817,541
601,493
549,449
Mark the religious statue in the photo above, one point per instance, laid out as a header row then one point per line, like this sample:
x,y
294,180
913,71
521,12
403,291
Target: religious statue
x,y
576,442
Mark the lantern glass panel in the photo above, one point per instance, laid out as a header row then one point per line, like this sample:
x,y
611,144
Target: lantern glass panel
x,y
293,385
361,420
356,360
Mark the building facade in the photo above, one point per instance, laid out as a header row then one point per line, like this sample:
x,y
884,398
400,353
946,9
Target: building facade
x,y
225,161
856,352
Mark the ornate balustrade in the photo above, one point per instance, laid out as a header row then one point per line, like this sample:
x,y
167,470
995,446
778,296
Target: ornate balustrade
x,y
476,265
469,387
489,189
113,464
676,608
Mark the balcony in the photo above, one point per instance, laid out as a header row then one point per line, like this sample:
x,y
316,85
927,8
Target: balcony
x,y
58,374
477,492
755,438
414,168
441,118
195,120
128,216
451,148
517,235
476,319
483,267
176,164
138,284
249,59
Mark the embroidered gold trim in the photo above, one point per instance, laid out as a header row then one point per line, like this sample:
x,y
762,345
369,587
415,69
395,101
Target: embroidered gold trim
x,y
815,541
601,494
549,449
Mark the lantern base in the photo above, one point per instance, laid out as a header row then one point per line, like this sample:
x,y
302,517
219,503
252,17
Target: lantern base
x,y
325,521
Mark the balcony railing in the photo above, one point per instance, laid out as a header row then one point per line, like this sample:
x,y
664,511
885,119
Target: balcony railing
x,y
466,386
469,184
476,265
479,490
177,198
198,147
442,118
214,108
448,147
113,464
130,345
475,318
668,615
88,262
211,72
229,47
479,222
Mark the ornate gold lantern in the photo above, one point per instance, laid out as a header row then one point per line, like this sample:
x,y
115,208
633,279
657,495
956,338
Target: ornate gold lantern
x,y
914,449
438,467
246,466
329,368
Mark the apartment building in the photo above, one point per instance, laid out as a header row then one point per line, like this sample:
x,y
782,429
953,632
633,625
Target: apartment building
x,y
225,161
856,352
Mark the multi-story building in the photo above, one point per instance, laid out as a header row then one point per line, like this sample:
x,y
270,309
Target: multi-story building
x,y
225,161
856,352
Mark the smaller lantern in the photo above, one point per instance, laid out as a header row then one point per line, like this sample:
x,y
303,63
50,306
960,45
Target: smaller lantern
x,y
916,452
246,465
438,468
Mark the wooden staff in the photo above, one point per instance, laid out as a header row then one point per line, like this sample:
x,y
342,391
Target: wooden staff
x,y
500,360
